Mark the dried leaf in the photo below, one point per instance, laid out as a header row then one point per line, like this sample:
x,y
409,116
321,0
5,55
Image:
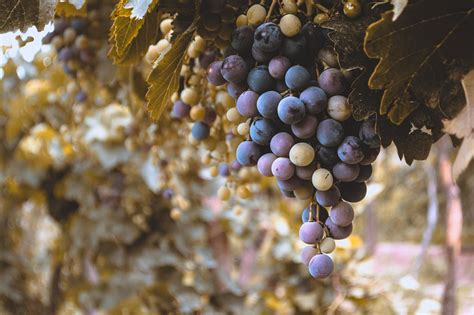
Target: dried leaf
x,y
423,55
67,9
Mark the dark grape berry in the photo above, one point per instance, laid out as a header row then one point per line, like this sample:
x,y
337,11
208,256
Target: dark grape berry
x,y
200,130
234,69
351,150
306,128
342,214
314,99
242,39
295,48
214,75
180,110
368,135
267,104
364,173
338,232
247,104
330,133
345,172
235,90
320,266
260,80
353,191
327,156
262,131
323,214
248,153
329,197
268,37
297,78
260,55
332,81
278,67
291,110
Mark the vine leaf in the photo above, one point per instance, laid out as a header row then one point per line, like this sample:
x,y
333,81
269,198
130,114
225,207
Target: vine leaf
x,y
67,9
462,126
423,56
164,78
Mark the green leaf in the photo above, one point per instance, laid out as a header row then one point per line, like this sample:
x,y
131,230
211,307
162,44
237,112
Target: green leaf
x,y
423,56
164,78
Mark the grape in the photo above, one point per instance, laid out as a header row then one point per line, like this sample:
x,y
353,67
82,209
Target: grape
x,y
342,214
314,99
345,172
297,78
368,135
260,55
332,81
350,150
180,110
320,266
301,154
304,192
259,79
330,133
280,86
278,67
267,104
268,37
242,39
290,25
327,156
322,179
281,144
235,166
282,168
206,58
307,253
290,184
247,104
248,153
211,22
353,191
315,37
291,110
364,174
311,232
233,114
264,164
287,193
189,96
66,54
328,245
339,108
214,75
323,214
256,14
81,96
224,170
79,25
200,130
295,48
262,130
210,115
306,172
306,128
289,6
338,232
235,90
370,155
329,197
234,69
352,9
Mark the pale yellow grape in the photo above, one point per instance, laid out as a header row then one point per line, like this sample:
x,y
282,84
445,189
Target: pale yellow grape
x,y
289,6
200,43
57,42
243,129
175,214
225,99
162,45
190,96
322,179
339,108
223,193
243,192
174,97
81,42
256,15
328,245
192,51
69,35
301,154
242,20
197,113
303,192
233,115
166,26
206,159
152,54
214,171
320,18
290,25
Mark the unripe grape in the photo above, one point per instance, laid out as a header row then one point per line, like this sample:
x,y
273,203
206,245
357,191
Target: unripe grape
x,y
289,6
57,42
192,140
214,171
192,51
328,245
189,96
242,20
223,193
322,179
206,159
81,42
162,45
243,129
302,154
175,214
200,43
243,192
320,18
69,35
339,108
256,15
166,26
290,25
352,8
197,113
233,115
225,99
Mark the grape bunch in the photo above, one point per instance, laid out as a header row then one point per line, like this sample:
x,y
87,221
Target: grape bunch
x,y
297,124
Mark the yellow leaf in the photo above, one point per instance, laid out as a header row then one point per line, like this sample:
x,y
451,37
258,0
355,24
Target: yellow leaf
x,y
67,9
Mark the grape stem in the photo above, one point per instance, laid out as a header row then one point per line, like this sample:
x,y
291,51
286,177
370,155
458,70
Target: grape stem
x,y
309,8
270,10
321,7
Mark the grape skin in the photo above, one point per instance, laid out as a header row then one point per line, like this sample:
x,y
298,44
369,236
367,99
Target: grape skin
x,y
282,168
323,214
267,104
180,110
342,214
327,156
320,266
306,172
281,144
200,130
268,37
345,172
307,253
330,133
262,131
311,232
248,153
368,135
260,80
350,150
291,110
278,67
353,191
329,197
242,39
314,99
264,164
332,81
364,174
214,75
234,69
297,78
306,128
260,55
247,104
338,232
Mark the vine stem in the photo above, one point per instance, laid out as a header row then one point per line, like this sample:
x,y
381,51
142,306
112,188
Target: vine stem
x,y
309,8
321,7
270,10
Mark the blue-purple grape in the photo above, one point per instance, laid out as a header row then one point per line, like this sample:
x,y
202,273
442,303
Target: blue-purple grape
x,y
370,155
320,266
332,81
235,90
323,214
314,99
306,172
282,168
364,173
247,104
234,69
264,164
242,39
267,104
278,67
342,214
260,80
327,156
295,48
268,37
353,191
329,197
214,75
297,78
180,110
368,135
330,133
292,183
262,130
281,143
350,150
248,153
311,232
291,110
306,128
307,253
200,130
338,232
224,170
345,172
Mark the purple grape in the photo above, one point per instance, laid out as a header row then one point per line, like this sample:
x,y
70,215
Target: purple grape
x,y
315,36
87,56
311,232
234,69
329,197
297,78
247,104
206,58
262,130
295,48
267,104
291,110
200,130
180,110
278,67
364,174
268,37
342,214
353,191
338,232
330,133
260,80
81,96
306,128
248,153
264,164
351,150
260,55
320,266
323,214
307,253
66,54
242,39
327,156
214,75
210,115
235,166
368,135
345,172
282,168
306,172
314,99
370,155
235,90
281,143
292,183
224,170
332,81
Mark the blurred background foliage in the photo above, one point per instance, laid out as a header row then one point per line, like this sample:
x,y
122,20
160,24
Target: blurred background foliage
x,y
101,213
